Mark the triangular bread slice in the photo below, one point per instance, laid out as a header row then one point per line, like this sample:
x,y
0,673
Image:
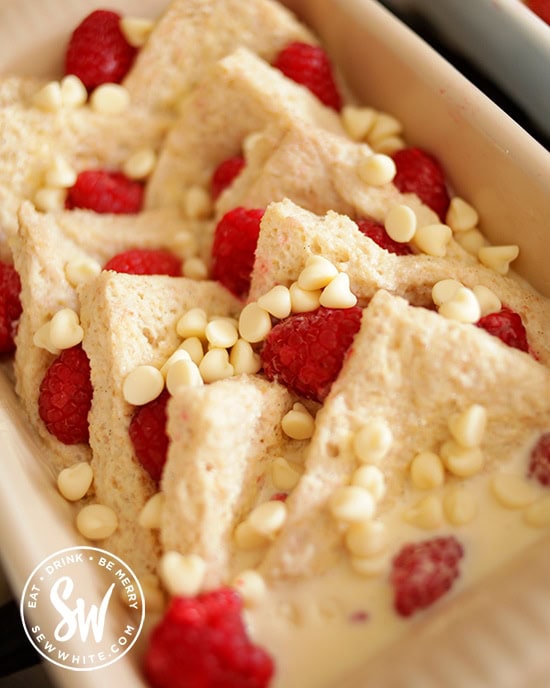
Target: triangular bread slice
x,y
129,320
224,438
178,53
414,369
240,95
32,137
44,245
289,235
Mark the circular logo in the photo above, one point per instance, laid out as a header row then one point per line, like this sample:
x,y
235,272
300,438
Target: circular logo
x,y
82,608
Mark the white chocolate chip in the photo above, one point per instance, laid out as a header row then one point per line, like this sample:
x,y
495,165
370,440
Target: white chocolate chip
x,y
461,216
110,99
74,481
487,299
427,471
370,566
96,521
468,427
49,199
41,339
371,479
389,145
298,423
178,355
251,586
426,513
377,169
460,461
192,324
372,442
246,537
244,359
48,98
444,290
385,125
65,330
352,504
254,323
537,514
150,515
400,223
471,240
142,385
433,239
193,346
459,506
198,203
182,574
140,164
366,539
81,270
221,333
60,174
73,91
183,373
498,258
215,365
195,268
513,491
268,518
303,300
358,121
276,302
462,307
337,293
317,273
285,474
136,30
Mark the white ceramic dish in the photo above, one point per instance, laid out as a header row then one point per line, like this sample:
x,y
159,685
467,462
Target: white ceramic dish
x,y
494,636
504,39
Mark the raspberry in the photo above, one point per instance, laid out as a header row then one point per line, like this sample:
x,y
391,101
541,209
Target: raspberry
x,y
10,306
310,66
305,352
148,435
424,571
507,326
225,173
201,642
105,192
98,52
377,232
539,466
145,261
420,173
234,248
66,396
541,8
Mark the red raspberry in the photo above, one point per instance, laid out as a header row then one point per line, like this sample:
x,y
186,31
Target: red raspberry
x,y
420,173
309,65
234,248
105,192
539,466
507,326
148,435
10,306
225,173
98,52
424,571
305,352
66,396
201,642
377,232
145,261
541,8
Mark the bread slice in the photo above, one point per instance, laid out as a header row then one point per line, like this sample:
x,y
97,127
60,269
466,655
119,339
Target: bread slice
x,y
224,438
240,95
45,243
289,235
130,320
192,34
32,137
413,369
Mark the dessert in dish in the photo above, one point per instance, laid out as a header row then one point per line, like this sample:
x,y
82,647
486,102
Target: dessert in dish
x,y
310,405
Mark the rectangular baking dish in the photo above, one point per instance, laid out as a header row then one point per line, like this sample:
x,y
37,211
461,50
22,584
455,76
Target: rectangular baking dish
x,y
492,636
